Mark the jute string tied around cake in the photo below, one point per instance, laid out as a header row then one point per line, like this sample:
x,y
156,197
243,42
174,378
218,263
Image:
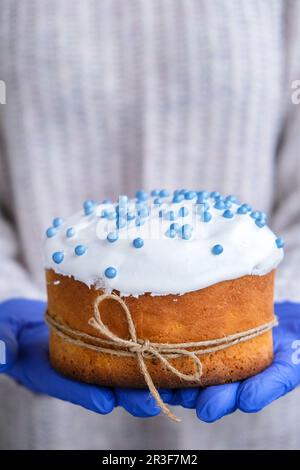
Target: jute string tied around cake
x,y
143,349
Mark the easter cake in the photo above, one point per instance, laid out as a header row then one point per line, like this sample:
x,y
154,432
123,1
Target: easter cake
x,y
167,289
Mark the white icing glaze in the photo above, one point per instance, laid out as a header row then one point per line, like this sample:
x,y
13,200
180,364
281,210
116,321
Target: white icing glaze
x,y
163,265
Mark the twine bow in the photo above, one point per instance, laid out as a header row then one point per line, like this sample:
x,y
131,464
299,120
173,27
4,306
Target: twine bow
x,y
143,349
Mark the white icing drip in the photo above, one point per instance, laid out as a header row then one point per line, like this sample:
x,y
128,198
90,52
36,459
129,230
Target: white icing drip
x,y
163,265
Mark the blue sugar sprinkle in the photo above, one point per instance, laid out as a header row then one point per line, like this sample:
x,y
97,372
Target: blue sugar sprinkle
x,y
249,208
164,193
111,215
228,204
57,222
255,215
178,198
215,194
112,237
189,195
217,249
130,216
228,214
232,199
170,233
155,192
242,209
182,191
204,194
260,223
110,272
58,257
105,213
70,232
157,201
279,242
170,215
139,221
175,226
143,212
88,207
183,212
121,223
206,217
80,250
161,213
51,231
219,204
141,195
138,242
186,231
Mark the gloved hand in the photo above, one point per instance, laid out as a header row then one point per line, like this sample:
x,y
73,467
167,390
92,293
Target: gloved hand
x,y
25,335
255,393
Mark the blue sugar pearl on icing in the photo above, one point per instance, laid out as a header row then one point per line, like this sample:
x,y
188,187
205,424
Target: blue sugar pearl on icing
x,y
57,222
183,212
219,204
111,215
215,194
175,226
120,223
130,216
154,192
164,193
170,215
204,194
228,214
178,198
112,237
228,204
255,215
170,233
157,201
70,232
186,231
58,257
51,231
139,221
88,207
260,223
206,217
141,195
242,210
189,195
110,272
231,198
143,212
279,242
249,208
217,249
80,250
104,213
138,242
107,201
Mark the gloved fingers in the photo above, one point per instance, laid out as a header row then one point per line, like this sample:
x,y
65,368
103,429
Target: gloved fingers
x,y
34,370
186,397
217,401
8,347
139,403
259,391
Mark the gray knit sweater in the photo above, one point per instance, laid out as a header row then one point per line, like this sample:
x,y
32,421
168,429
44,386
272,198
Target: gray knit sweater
x,y
104,97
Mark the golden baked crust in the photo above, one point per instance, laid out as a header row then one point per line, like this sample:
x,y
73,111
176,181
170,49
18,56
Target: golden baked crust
x,y
219,310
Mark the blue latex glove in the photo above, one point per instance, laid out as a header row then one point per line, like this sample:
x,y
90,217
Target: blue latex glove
x,y
255,393
25,335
